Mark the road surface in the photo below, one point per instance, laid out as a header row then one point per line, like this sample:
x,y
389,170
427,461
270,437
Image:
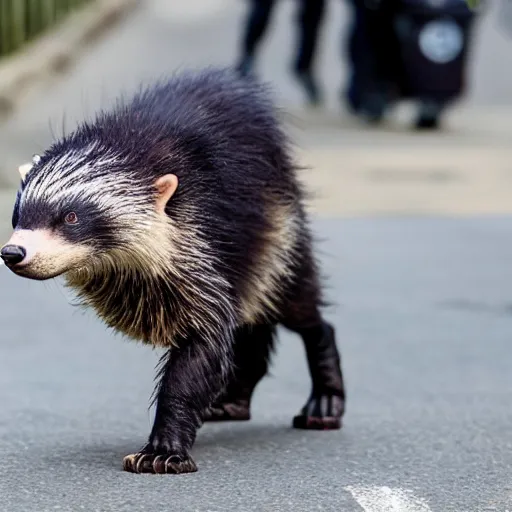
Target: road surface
x,y
424,323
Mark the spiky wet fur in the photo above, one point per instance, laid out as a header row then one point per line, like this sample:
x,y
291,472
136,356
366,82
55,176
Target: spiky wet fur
x,y
224,253
233,251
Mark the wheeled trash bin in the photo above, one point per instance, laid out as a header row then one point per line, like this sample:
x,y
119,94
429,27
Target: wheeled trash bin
x,y
433,39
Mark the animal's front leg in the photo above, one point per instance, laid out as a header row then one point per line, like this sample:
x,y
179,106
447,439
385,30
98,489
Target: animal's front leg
x,y
191,378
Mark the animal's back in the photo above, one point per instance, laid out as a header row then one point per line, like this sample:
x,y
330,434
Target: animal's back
x,y
239,202
238,175
219,132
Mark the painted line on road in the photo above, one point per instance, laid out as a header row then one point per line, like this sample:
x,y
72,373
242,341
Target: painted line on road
x,y
385,499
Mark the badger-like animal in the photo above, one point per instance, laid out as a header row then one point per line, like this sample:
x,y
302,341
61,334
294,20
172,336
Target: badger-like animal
x,y
179,218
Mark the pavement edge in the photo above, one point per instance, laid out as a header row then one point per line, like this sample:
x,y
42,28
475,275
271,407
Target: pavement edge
x,y
54,51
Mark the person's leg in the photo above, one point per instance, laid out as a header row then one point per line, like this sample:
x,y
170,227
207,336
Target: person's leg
x,y
365,92
255,27
310,18
353,50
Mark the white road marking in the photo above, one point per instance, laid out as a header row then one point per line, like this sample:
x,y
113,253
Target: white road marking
x,y
384,499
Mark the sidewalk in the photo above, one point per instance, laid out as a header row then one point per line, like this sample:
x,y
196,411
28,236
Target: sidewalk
x,y
464,170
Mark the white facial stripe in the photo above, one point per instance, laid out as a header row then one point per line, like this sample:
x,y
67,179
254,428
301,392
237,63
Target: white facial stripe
x,y
50,179
72,176
64,170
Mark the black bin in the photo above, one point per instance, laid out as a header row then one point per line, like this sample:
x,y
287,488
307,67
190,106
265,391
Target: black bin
x,y
433,38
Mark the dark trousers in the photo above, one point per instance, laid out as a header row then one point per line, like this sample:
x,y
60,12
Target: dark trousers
x,y
371,50
308,19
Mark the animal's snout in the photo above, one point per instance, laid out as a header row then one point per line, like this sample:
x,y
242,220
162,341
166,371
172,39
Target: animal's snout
x,y
13,254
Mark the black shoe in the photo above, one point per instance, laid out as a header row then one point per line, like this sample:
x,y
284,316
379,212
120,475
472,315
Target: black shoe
x,y
371,108
310,87
350,100
245,67
429,116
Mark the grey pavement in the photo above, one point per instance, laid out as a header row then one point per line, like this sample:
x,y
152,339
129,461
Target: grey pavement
x,y
424,323
423,305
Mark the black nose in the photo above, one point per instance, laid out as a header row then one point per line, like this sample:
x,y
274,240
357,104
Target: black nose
x,y
13,254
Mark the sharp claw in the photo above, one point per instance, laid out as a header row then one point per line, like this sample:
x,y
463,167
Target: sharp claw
x,y
157,464
140,463
128,463
321,412
156,467
324,405
168,462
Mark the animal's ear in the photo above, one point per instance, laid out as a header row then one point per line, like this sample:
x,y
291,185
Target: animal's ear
x,y
165,188
24,169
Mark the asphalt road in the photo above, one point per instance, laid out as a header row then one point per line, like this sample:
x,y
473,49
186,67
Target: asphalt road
x,y
424,322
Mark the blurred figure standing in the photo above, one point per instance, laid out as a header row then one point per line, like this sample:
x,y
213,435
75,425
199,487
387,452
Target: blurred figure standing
x,y
309,18
408,50
372,51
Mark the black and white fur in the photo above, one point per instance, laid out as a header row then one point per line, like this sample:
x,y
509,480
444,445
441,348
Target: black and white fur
x,y
178,216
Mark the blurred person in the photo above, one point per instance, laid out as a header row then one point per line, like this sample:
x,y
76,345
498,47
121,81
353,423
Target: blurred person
x,y
407,49
371,51
309,18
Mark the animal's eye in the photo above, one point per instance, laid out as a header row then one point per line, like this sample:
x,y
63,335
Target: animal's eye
x,y
71,218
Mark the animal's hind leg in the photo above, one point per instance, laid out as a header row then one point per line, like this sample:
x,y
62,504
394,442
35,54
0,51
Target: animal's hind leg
x,y
253,345
325,406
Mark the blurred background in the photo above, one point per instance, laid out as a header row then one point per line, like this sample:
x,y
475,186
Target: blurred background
x,y
82,54
412,205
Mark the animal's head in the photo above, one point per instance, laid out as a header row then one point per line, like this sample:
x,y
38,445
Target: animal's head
x,y
75,210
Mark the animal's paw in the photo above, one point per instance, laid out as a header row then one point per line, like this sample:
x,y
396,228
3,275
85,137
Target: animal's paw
x,y
228,411
322,412
147,461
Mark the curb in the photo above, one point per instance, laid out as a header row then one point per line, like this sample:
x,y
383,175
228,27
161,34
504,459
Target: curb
x,y
53,52
421,180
